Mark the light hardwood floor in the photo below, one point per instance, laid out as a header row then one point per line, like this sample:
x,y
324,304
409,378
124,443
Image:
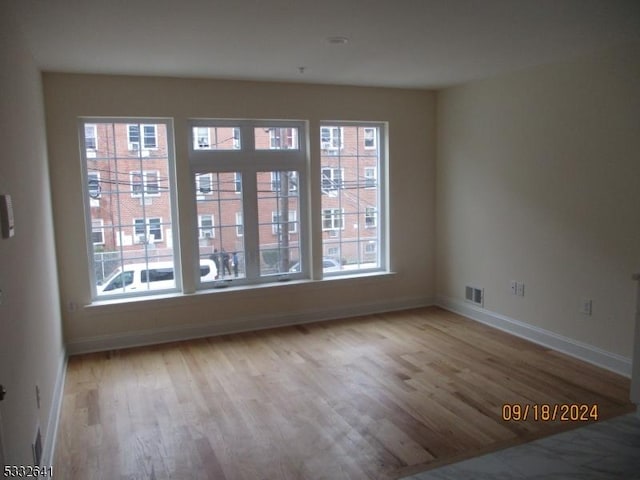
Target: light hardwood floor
x,y
375,397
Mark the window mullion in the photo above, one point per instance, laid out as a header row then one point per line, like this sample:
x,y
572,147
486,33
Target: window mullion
x,y
250,211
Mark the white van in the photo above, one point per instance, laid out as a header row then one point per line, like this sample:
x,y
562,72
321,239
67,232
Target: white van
x,y
140,277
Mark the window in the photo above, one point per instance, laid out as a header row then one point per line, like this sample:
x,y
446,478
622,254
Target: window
x,y
332,219
250,195
205,137
274,138
97,231
149,137
331,138
204,184
255,199
239,225
147,231
370,142
205,226
370,177
91,137
370,217
352,205
201,138
331,180
126,223
145,183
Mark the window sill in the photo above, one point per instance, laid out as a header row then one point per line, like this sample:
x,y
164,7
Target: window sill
x,y
174,299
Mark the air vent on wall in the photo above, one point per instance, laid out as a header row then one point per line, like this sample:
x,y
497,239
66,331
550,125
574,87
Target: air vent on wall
x,y
474,295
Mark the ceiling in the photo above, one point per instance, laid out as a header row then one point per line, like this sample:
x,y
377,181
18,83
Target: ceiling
x,y
395,43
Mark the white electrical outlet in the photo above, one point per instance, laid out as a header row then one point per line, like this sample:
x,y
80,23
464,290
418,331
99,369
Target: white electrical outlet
x,y
586,306
514,287
520,289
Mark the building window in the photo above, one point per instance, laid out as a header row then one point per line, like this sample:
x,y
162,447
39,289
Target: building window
x,y
352,204
205,226
91,137
370,142
149,136
239,225
138,235
370,180
145,183
331,138
237,180
97,231
204,184
332,219
332,179
201,138
147,231
370,217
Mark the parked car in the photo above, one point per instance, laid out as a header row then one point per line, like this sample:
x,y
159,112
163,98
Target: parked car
x,y
136,277
328,265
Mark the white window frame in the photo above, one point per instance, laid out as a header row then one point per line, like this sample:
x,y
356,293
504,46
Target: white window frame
x,y
290,138
208,176
94,201
370,244
331,138
142,138
371,213
374,140
249,163
370,181
335,184
198,134
121,223
202,229
239,225
97,228
94,136
354,191
146,222
337,216
144,175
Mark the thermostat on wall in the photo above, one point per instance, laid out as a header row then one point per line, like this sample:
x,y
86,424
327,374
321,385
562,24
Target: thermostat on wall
x,y
6,215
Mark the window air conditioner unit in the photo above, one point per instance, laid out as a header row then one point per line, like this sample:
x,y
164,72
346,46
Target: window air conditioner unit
x,y
141,239
134,146
326,146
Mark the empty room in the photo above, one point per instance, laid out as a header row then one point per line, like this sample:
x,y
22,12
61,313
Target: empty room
x,y
320,240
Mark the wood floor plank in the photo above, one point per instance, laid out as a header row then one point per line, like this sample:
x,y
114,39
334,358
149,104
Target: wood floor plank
x,y
374,397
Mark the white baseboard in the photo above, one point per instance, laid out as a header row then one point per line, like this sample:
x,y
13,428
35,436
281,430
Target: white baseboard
x,y
236,325
588,353
49,445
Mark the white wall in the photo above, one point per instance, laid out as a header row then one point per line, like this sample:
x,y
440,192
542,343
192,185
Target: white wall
x,y
31,349
538,180
412,195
